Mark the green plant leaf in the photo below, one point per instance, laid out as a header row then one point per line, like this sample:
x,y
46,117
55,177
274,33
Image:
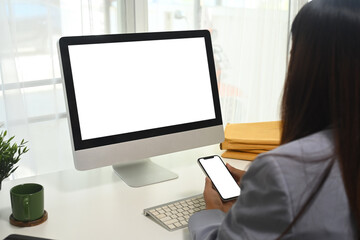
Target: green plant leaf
x,y
10,154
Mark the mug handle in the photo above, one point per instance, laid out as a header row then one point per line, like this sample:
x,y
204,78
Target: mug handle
x,y
26,208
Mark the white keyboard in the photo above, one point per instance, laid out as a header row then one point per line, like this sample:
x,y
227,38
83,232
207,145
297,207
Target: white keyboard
x,y
175,215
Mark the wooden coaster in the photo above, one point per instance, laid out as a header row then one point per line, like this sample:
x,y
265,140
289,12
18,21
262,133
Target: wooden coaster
x,y
17,223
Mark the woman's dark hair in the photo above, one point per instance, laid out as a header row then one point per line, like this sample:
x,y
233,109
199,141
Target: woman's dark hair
x,y
322,87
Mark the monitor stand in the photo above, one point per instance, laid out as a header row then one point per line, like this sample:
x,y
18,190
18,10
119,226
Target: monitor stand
x,y
143,172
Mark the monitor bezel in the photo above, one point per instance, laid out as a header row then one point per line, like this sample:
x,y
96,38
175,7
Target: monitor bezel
x,y
80,144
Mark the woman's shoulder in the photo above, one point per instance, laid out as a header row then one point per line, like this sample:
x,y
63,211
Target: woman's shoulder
x,y
317,146
299,166
298,163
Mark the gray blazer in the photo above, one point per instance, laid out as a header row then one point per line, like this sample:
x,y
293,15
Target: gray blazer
x,y
274,189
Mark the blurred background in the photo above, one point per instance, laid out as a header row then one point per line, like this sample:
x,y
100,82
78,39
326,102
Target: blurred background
x,y
250,40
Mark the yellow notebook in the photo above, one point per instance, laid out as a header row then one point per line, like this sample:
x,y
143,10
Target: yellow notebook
x,y
247,140
239,155
241,146
253,133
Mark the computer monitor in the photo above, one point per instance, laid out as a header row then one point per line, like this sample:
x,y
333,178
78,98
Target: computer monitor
x,y
134,96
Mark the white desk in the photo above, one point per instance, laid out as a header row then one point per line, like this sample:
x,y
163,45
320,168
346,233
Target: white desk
x,y
97,204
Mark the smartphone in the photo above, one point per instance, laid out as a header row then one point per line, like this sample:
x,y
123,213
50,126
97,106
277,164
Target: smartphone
x,y
223,181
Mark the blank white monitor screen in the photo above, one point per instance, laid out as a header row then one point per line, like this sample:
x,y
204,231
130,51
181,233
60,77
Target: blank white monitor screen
x,y
133,96
119,90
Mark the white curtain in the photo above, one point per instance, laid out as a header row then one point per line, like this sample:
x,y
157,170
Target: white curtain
x,y
13,112
251,44
31,98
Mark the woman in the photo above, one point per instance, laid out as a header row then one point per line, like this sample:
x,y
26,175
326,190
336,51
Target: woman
x,y
309,187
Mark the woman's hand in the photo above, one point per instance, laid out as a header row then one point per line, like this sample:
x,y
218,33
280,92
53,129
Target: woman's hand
x,y
236,173
212,197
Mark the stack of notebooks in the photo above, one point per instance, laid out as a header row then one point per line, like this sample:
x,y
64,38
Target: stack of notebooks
x,y
247,140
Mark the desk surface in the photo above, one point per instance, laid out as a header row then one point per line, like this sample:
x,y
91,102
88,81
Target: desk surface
x,y
97,204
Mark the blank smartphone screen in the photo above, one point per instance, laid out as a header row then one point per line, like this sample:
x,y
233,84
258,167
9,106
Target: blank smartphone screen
x,y
220,176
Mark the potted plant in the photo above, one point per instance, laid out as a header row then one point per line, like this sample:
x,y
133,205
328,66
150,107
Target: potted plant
x,y
9,155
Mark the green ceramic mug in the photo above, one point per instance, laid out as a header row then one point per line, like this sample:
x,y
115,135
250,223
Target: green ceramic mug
x,y
27,202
